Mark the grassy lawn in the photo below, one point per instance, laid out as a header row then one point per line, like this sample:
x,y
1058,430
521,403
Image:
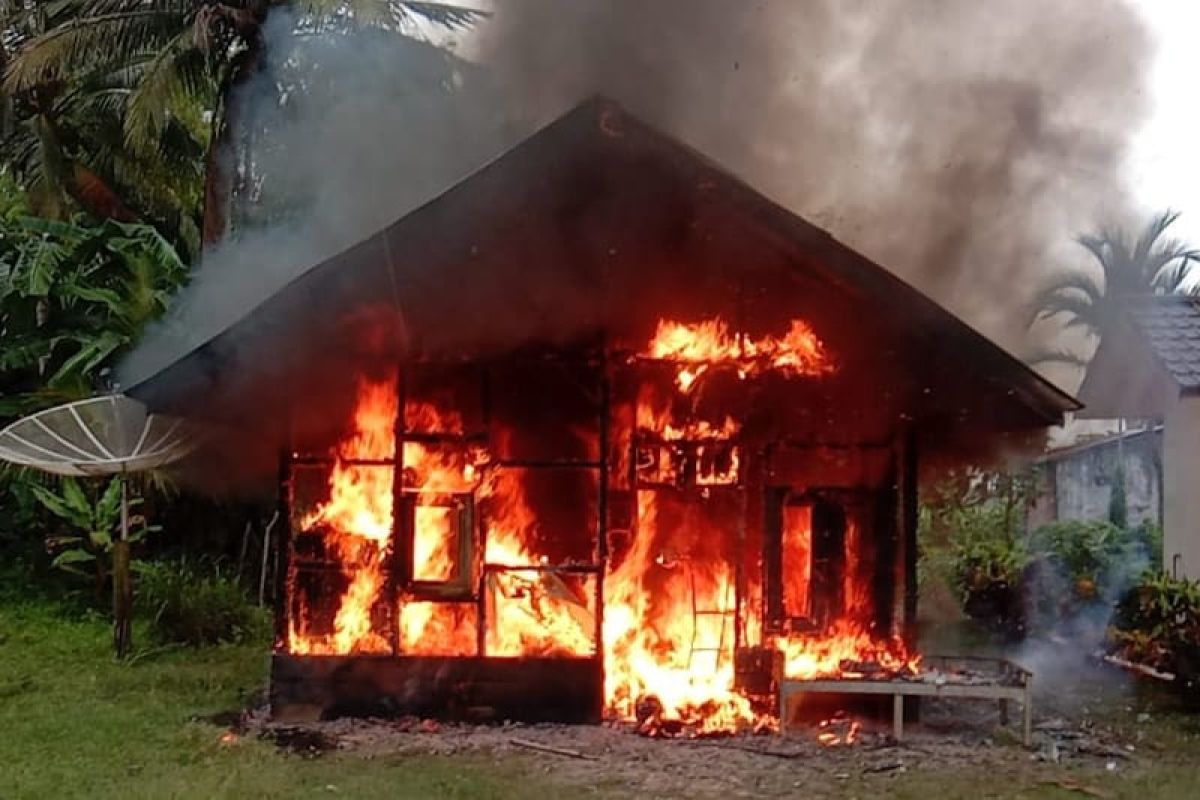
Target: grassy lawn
x,y
1170,783
75,724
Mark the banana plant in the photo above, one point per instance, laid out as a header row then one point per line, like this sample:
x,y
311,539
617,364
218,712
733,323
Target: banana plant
x,y
105,533
74,296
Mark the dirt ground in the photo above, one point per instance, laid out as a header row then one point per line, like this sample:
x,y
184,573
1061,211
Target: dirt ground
x,y
1095,735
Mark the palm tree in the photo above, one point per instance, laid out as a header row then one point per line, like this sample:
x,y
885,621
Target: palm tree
x,y
69,151
1151,264
66,138
160,68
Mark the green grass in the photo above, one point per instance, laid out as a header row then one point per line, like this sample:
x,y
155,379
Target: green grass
x,y
1176,782
75,724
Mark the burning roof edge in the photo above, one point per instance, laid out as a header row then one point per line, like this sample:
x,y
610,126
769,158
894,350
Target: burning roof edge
x,y
841,264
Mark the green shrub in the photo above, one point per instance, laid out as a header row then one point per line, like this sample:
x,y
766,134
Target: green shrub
x,y
22,516
1157,623
980,559
971,531
1147,540
986,562
1079,569
1090,555
92,513
1067,574
989,583
190,605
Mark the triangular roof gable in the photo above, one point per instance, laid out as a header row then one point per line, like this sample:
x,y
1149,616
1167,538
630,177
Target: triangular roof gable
x,y
380,266
1170,325
1151,355
1124,378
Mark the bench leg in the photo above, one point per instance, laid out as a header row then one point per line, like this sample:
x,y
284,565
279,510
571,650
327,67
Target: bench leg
x,y
1004,713
898,716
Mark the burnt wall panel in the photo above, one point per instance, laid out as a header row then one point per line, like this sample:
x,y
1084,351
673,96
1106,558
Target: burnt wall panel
x,y
475,689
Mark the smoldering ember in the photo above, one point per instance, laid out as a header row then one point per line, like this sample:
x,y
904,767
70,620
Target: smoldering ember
x,y
601,432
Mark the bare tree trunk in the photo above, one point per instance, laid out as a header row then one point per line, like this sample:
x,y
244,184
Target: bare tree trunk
x,y
6,104
221,159
216,189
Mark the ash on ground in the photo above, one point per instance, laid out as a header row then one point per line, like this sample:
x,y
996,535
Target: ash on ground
x,y
1069,735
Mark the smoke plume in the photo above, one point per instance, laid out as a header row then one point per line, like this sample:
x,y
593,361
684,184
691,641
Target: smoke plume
x,y
962,145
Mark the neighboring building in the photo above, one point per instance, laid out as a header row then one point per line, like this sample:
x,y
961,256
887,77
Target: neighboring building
x,y
1148,368
1076,482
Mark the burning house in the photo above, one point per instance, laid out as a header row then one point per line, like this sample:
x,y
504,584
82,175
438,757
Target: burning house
x,y
598,432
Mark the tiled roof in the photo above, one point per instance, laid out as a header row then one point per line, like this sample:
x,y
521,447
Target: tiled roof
x,y
1171,325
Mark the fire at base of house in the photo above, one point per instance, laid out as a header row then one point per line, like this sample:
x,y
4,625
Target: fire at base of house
x,y
498,550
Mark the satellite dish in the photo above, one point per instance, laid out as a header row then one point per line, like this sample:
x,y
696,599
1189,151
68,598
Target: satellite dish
x,y
110,435
106,435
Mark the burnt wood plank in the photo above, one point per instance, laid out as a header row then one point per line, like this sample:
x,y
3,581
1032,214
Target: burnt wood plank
x,y
456,688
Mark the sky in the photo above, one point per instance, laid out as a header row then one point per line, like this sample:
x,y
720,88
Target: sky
x,y
1164,168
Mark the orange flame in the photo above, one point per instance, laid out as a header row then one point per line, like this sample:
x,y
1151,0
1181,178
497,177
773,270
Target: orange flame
x,y
656,647
697,346
670,598
838,731
669,619
533,611
821,655
797,561
358,518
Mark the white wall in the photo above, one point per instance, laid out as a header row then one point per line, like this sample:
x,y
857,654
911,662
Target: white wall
x,y
1084,480
1181,488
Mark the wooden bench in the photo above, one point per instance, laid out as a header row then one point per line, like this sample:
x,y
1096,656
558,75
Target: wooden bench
x,y
1012,683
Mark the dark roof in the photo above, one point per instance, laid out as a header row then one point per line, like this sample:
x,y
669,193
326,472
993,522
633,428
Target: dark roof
x,y
1171,326
570,207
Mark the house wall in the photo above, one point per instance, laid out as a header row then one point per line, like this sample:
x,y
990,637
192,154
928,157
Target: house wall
x,y
1181,462
1079,484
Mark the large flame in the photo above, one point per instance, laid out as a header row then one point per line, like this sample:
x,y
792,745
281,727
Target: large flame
x,y
655,646
670,617
357,519
533,611
696,347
